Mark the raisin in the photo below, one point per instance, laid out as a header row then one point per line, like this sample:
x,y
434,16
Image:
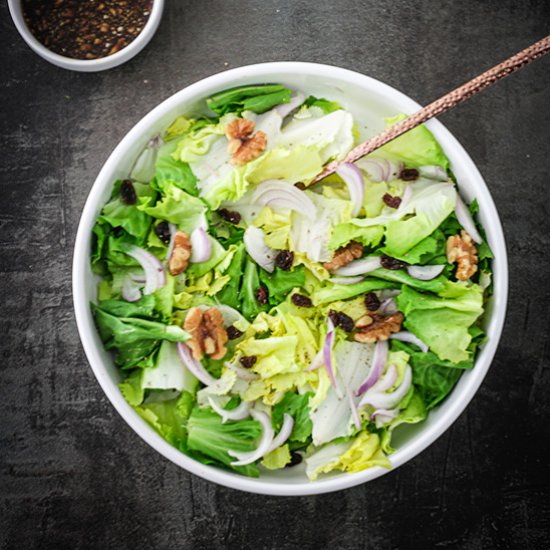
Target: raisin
x,y
392,263
301,301
284,259
340,319
233,332
392,202
261,295
372,303
248,361
295,459
229,216
127,192
162,231
300,185
409,174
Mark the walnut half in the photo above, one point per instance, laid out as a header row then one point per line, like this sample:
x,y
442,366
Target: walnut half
x,y
344,255
244,145
378,328
179,259
462,250
208,334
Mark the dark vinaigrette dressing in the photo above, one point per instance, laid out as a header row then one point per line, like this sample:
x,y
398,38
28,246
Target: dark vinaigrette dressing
x,y
86,29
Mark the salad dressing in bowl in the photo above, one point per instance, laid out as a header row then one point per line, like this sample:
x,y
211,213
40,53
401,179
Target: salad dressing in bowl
x,y
370,102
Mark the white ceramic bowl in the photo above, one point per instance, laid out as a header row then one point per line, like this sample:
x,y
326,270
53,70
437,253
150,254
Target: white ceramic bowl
x,y
88,65
370,101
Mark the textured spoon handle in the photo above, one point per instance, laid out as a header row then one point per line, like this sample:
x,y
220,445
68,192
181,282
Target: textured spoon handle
x,y
448,101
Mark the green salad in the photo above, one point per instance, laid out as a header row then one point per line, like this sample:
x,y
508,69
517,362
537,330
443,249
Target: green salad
x,y
260,320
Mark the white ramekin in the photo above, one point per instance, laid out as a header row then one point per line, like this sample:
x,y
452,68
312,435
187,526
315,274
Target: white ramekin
x,y
370,100
88,65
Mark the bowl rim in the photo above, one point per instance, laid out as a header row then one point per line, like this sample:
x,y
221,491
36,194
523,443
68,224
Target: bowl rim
x,y
86,328
87,65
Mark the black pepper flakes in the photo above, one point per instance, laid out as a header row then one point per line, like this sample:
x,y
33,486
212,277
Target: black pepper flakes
x,y
233,332
248,361
229,216
162,231
372,302
301,301
340,319
409,174
284,260
86,29
261,295
391,201
128,192
388,262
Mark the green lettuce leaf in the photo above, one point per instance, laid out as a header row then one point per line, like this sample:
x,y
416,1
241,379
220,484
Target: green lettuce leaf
x,y
442,322
280,282
296,405
208,435
257,98
172,171
278,458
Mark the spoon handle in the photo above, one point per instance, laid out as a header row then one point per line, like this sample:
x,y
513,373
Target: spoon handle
x,y
444,103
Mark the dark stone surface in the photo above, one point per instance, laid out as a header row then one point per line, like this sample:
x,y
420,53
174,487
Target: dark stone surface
x,y
74,475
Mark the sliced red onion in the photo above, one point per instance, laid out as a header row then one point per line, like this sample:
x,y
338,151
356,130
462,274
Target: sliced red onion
x,y
386,293
346,280
284,432
264,445
317,362
388,306
201,247
378,363
138,278
155,277
356,185
425,272
254,242
387,380
145,165
405,199
241,372
195,367
383,416
354,411
281,194
433,173
286,108
380,169
388,400
406,336
359,267
172,228
130,292
238,413
466,221
327,356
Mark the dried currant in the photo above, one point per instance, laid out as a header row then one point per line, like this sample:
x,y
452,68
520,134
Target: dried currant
x,y
162,231
301,301
233,332
340,319
391,201
284,259
127,192
261,295
300,185
372,303
409,174
388,262
248,361
295,459
229,216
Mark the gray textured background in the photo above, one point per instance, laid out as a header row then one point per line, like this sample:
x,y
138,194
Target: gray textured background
x,y
73,475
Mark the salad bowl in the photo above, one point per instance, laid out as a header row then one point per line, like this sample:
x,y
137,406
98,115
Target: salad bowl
x,y
370,102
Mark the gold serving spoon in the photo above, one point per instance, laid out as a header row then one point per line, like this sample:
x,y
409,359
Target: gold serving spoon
x,y
444,103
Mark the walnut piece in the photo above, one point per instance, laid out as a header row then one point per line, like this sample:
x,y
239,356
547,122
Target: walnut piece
x,y
461,249
208,334
380,328
344,255
179,259
244,146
